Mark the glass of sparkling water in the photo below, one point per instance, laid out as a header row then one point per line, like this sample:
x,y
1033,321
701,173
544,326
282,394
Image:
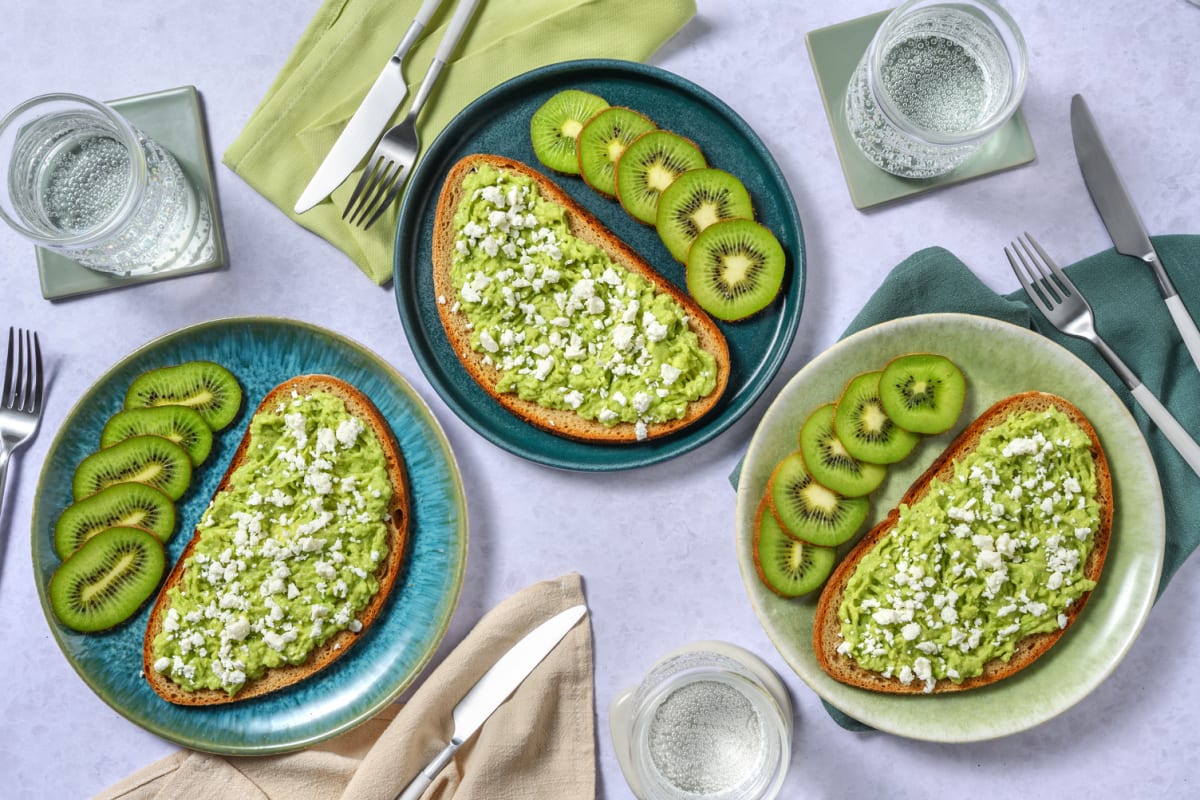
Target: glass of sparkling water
x,y
711,721
937,80
78,179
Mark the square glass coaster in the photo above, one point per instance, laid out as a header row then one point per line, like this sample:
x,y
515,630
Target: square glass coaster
x,y
172,118
835,52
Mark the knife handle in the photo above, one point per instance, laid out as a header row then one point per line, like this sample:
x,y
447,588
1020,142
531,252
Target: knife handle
x,y
1186,325
421,782
1175,433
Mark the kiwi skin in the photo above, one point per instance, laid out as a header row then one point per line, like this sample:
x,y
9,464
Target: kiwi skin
x,y
107,580
814,566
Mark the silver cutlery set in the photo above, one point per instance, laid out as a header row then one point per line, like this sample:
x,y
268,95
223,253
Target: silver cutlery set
x,y
1060,302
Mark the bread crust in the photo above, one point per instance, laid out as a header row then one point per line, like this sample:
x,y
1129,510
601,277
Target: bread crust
x,y
360,406
826,625
583,224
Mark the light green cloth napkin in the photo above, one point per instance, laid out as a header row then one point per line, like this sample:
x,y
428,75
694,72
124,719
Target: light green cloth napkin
x,y
349,41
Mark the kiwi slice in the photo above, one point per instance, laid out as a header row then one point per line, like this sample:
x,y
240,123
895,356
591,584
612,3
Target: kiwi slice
x,y
787,566
603,140
555,126
125,505
697,199
829,462
809,511
152,460
735,269
107,579
865,429
182,425
204,386
648,166
922,392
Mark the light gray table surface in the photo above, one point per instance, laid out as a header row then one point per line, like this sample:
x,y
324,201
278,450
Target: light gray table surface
x,y
1137,735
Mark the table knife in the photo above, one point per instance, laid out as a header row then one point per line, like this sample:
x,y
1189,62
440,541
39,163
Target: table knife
x,y
1121,218
369,121
494,688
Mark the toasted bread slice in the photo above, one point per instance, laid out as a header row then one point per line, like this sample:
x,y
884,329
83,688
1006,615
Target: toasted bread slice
x,y
359,406
827,626
585,226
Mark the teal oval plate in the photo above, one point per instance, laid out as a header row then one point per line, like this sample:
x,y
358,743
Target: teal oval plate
x,y
262,353
998,360
498,123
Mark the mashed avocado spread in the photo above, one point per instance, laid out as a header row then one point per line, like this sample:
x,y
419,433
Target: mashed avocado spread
x,y
566,326
981,561
287,553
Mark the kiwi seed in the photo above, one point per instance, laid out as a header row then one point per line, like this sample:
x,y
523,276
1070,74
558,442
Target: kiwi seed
x,y
922,392
807,510
151,460
865,429
787,566
648,166
107,579
603,140
126,505
735,269
697,199
182,425
830,463
555,126
204,386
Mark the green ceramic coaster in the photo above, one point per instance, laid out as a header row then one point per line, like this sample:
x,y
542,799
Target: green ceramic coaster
x,y
172,118
835,52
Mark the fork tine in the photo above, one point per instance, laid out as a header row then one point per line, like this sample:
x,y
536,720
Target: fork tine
x,y
8,369
38,375
1059,275
397,184
22,380
363,181
1026,283
1034,279
387,177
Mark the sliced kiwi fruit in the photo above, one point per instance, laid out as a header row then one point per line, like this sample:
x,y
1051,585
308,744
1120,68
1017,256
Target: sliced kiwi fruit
x,y
830,463
107,579
554,128
865,429
697,199
152,460
603,140
923,392
735,269
809,511
182,425
648,166
207,387
787,566
124,505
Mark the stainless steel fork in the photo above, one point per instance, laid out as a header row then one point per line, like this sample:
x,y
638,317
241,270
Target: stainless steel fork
x,y
1055,295
394,156
21,402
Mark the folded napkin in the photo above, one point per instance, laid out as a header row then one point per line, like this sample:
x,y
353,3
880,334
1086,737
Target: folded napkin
x,y
539,745
1132,318
349,41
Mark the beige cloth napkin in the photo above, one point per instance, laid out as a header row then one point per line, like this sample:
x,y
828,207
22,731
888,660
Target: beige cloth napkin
x,y
539,744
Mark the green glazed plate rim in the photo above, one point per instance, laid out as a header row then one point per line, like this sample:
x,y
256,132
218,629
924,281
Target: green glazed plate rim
x,y
998,359
501,118
392,652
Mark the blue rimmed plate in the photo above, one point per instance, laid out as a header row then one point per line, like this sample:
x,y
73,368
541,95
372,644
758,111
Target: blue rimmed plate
x,y
262,353
498,123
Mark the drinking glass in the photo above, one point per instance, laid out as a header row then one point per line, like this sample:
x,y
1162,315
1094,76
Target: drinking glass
x,y
711,721
80,180
937,80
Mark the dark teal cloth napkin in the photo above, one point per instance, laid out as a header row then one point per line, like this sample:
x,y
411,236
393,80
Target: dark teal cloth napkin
x,y
1131,317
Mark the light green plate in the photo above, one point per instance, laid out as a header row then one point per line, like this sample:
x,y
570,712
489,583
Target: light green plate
x,y
998,360
835,52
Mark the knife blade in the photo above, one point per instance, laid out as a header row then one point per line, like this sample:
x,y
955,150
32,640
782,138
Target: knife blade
x,y
369,120
490,691
1121,219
